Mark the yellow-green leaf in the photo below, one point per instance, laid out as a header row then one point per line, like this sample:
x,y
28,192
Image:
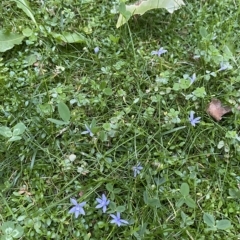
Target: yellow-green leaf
x,y
24,5
144,6
8,40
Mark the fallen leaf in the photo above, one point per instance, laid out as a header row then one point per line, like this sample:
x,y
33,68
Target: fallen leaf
x,y
216,110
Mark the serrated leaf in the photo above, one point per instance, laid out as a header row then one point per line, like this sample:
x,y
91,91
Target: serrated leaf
x,y
68,37
5,132
19,129
64,111
56,121
223,224
8,40
24,5
140,7
209,219
184,189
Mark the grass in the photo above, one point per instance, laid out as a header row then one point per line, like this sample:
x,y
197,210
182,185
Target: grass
x,y
137,106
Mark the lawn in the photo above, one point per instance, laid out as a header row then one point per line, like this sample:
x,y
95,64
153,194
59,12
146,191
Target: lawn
x,y
119,133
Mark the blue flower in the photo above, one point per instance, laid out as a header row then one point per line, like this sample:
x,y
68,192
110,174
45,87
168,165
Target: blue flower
x,y
193,78
96,50
117,220
193,120
223,66
88,131
136,169
103,202
78,208
159,52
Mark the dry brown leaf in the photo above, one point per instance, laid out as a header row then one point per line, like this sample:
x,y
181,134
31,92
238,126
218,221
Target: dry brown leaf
x,y
216,110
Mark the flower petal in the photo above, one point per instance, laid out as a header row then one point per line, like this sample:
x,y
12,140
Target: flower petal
x,y
72,210
104,208
124,221
77,214
113,216
81,210
82,204
99,205
73,201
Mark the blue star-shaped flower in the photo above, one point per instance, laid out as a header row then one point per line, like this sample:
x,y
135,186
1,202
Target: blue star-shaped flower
x,y
193,78
88,131
78,208
223,66
136,169
96,50
103,202
193,120
159,52
117,220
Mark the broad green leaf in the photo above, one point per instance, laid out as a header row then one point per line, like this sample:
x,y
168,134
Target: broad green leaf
x,y
184,189
108,91
190,202
24,5
14,138
18,129
6,132
227,52
209,219
30,60
7,225
184,216
56,121
68,37
180,202
122,9
107,126
223,224
27,32
8,40
220,145
64,111
234,193
145,197
154,202
109,187
120,209
160,181
203,32
200,92
18,232
142,6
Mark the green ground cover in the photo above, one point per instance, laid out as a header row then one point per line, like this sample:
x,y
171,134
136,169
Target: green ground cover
x,y
98,139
